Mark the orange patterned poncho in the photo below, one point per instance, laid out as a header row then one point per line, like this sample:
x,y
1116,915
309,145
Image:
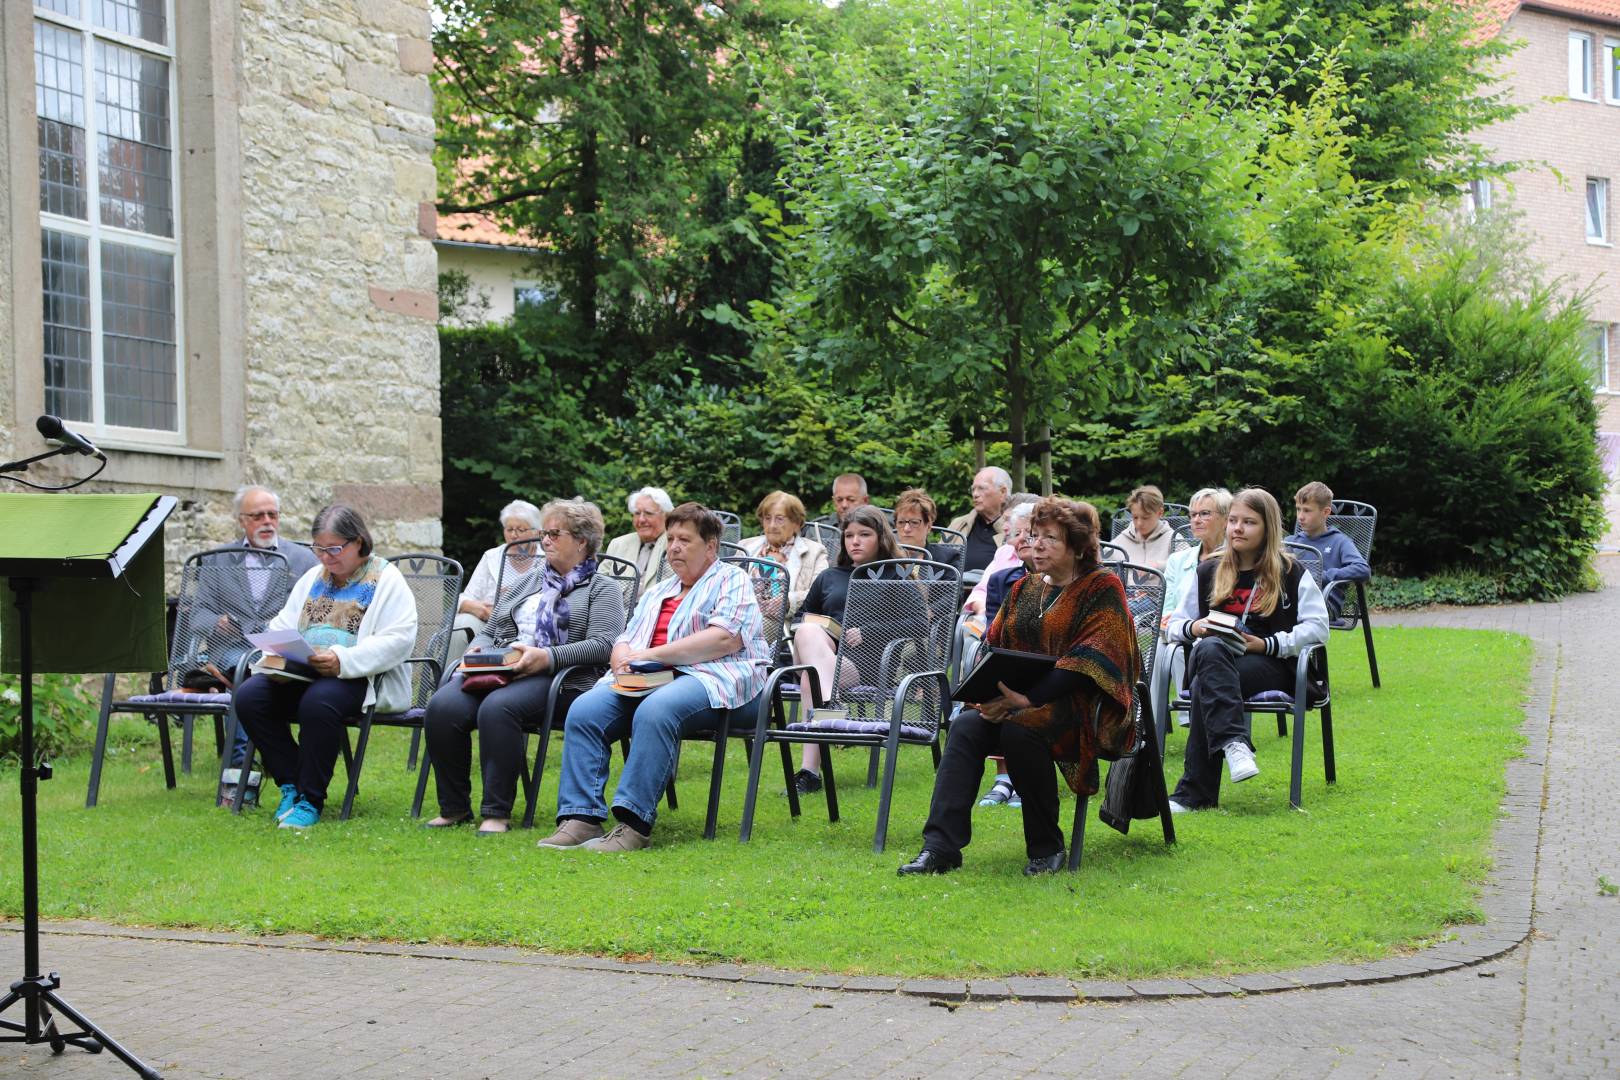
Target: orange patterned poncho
x,y
1088,627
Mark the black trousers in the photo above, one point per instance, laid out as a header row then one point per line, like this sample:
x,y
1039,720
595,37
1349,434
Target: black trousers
x,y
1218,681
267,709
498,717
961,768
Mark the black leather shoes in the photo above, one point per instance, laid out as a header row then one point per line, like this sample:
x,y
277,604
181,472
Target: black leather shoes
x,y
1046,864
930,862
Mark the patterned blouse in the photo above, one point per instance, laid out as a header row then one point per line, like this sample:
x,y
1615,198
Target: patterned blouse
x,y
332,614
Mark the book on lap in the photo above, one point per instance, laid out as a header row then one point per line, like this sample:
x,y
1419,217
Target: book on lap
x,y
1224,625
1019,670
641,680
827,623
491,663
284,669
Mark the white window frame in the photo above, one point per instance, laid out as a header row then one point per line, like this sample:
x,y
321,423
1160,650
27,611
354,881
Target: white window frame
x,y
1582,50
1611,75
1601,237
95,232
1600,337
1477,197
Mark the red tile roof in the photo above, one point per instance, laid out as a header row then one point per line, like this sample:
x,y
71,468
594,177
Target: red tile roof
x,y
480,229
1495,13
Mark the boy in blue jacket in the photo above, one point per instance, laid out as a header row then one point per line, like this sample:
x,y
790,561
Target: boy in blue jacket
x,y
1313,504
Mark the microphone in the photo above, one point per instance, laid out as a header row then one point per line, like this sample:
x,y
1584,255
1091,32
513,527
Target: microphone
x,y
51,427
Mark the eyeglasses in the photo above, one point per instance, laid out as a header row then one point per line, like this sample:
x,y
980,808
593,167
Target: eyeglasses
x,y
1202,514
776,519
334,551
261,515
908,523
1046,541
552,534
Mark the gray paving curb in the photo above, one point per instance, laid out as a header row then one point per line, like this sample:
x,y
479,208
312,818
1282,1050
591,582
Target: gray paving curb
x,y
1507,900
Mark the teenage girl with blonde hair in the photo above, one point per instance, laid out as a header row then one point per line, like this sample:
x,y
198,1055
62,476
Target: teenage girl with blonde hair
x,y
1281,611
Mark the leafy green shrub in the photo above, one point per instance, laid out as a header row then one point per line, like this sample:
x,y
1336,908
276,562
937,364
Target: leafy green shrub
x,y
1459,587
64,715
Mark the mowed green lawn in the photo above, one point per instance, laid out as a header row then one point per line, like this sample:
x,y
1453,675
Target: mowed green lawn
x,y
1381,862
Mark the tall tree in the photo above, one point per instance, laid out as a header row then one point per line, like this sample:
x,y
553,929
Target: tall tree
x,y
1049,186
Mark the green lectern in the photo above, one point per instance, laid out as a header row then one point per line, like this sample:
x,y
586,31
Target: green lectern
x,y
85,577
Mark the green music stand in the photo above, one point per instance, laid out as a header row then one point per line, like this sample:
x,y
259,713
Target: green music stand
x,y
98,562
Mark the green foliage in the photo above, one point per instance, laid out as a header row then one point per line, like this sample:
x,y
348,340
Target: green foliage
x,y
1463,588
1379,864
64,715
1049,187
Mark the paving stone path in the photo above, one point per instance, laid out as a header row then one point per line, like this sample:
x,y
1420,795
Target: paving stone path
x,y
1546,1004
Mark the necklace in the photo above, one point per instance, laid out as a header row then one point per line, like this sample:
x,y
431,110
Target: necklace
x,y
1047,600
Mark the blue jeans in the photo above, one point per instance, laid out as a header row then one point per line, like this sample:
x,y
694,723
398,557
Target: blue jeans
x,y
655,725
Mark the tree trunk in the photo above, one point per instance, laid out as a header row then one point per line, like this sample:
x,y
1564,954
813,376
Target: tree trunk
x,y
1044,437
587,203
1017,406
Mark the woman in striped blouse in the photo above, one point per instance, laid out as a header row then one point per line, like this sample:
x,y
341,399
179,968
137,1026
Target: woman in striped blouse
x,y
704,623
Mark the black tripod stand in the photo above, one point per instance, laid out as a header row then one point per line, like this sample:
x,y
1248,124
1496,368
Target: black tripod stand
x,y
37,992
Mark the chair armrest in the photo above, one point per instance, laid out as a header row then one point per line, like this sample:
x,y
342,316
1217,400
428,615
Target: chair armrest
x,y
1302,667
886,663
773,690
897,706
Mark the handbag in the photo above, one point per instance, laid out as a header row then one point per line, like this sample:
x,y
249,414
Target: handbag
x,y
1129,794
481,684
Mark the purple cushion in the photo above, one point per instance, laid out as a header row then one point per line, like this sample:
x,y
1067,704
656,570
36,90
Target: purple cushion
x,y
179,697
862,727
1281,697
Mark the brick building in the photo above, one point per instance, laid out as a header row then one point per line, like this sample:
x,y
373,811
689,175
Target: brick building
x,y
1567,74
217,252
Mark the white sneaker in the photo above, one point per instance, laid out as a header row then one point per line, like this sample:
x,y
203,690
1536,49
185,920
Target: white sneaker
x,y
1240,761
1177,808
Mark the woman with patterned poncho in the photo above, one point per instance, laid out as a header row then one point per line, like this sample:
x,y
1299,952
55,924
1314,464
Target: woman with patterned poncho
x,y
1072,609
358,616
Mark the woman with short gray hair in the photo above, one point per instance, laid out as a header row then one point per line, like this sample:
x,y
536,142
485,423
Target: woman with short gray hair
x,y
519,521
570,618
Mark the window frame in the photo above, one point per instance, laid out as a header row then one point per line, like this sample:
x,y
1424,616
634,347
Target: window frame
x,y
1611,74
95,233
1601,237
1601,333
1586,62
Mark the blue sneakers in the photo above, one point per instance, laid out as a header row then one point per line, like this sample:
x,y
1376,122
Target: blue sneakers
x,y
289,799
301,816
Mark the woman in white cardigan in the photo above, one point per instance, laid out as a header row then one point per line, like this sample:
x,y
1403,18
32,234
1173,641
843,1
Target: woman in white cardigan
x,y
519,521
358,616
782,516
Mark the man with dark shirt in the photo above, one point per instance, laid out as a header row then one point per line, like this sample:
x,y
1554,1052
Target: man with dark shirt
x,y
983,526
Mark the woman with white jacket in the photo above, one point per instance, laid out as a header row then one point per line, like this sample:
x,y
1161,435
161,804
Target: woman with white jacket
x,y
358,616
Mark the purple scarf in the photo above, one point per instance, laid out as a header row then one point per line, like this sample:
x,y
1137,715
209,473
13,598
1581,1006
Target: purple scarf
x,y
551,612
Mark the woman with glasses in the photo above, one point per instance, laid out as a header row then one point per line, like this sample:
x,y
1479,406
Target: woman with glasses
x,y
519,521
357,615
914,516
781,516
570,617
1070,608
1208,509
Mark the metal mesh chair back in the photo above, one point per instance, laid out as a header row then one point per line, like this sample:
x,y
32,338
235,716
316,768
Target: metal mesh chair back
x,y
730,527
623,573
1144,595
1358,521
729,550
912,551
1176,515
888,514
828,536
1111,552
952,543
771,581
519,576
1303,553
897,621
435,583
225,594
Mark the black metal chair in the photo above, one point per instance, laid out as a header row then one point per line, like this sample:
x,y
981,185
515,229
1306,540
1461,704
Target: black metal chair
x,y
1358,521
828,536
730,526
1147,756
225,594
905,610
1312,692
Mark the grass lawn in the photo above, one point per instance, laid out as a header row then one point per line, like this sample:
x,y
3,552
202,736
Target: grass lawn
x,y
1378,863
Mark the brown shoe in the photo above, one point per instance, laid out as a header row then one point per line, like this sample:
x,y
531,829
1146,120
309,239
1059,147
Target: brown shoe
x,y
571,833
623,838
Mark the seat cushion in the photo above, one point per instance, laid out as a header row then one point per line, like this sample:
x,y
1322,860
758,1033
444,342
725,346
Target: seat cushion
x,y
179,697
862,727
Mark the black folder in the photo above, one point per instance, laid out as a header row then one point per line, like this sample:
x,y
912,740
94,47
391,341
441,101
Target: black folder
x,y
1019,670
